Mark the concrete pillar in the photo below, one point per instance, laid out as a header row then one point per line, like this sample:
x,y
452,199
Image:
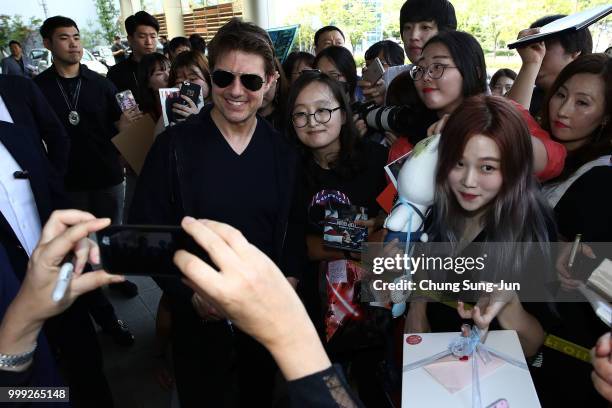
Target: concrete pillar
x,y
185,4
256,11
128,7
173,11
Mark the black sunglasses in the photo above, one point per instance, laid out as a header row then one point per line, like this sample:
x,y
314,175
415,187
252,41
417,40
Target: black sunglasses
x,y
223,79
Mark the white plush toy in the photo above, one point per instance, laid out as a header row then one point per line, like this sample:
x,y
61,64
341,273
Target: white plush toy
x,y
416,187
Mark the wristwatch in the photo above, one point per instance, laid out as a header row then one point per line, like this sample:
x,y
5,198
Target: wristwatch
x,y
16,360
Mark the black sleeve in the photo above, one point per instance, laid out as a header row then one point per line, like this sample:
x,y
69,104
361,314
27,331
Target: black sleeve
x,y
155,202
113,75
294,258
51,130
327,388
114,112
585,207
16,379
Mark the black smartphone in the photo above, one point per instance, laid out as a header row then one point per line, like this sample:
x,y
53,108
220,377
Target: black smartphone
x,y
192,91
144,249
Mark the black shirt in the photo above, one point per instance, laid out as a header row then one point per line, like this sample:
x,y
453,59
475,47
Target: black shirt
x,y
120,57
361,189
237,189
317,187
93,162
537,102
191,170
125,76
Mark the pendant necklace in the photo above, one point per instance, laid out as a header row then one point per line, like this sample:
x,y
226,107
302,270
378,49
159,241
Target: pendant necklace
x,y
73,115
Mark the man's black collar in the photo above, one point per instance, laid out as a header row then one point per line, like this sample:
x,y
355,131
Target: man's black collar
x,y
84,72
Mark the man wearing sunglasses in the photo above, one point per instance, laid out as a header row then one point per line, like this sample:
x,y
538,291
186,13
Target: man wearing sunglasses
x,y
230,165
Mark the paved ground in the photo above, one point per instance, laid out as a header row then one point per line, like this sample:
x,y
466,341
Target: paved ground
x,y
130,371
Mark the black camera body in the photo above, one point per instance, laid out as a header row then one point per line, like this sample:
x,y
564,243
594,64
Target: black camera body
x,y
402,120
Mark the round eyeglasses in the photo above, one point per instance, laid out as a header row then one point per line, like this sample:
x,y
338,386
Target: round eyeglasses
x,y
435,71
321,115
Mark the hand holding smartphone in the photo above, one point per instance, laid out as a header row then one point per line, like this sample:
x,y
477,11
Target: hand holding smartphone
x,y
126,100
144,249
373,72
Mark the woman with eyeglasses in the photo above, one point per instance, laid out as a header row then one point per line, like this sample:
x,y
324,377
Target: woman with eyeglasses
x,y
338,170
295,63
452,68
338,63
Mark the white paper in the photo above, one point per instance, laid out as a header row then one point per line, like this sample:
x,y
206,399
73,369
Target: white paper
x,y
419,389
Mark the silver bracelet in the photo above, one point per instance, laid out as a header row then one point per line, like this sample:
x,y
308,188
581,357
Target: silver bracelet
x,y
16,360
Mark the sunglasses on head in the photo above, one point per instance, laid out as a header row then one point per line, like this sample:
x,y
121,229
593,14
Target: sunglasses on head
x,y
223,79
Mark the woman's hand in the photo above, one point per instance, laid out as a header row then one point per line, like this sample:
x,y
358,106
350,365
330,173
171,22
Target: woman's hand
x,y
416,318
250,290
437,127
602,365
532,53
487,308
390,138
183,111
129,116
66,231
205,309
563,271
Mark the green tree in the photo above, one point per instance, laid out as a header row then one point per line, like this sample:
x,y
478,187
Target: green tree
x,y
90,37
14,28
390,18
354,18
107,17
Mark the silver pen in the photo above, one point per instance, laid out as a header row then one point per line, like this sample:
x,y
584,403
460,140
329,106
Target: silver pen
x,y
572,257
63,278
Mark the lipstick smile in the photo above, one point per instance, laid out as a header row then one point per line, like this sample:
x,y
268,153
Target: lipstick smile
x,y
468,197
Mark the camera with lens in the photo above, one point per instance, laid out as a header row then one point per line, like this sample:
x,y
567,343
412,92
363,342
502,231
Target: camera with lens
x,y
404,119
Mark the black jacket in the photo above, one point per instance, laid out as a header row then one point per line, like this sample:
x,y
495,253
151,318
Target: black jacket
x,y
162,196
29,107
45,182
93,162
125,76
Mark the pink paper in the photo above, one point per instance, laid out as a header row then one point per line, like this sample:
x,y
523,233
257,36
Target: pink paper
x,y
455,375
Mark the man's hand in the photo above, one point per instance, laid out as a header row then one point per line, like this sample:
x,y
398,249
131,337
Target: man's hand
x,y
374,92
